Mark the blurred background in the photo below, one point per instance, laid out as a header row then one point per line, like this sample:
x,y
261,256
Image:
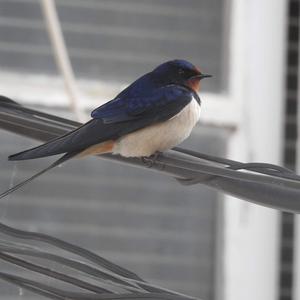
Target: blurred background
x,y
190,239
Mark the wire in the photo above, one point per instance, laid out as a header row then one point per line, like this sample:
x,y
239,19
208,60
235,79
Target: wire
x,y
260,183
61,55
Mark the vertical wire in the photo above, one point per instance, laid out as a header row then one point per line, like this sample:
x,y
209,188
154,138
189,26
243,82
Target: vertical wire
x,y
61,55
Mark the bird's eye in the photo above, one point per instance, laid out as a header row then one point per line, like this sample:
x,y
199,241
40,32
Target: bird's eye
x,y
181,71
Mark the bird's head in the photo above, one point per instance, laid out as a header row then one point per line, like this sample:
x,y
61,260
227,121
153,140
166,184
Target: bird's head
x,y
180,72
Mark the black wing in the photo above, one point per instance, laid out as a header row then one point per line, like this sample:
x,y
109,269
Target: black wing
x,y
161,102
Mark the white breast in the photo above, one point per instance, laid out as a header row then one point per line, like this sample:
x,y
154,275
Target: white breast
x,y
160,136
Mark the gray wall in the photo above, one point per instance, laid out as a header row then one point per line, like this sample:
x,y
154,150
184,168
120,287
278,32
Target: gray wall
x,y
144,221
117,40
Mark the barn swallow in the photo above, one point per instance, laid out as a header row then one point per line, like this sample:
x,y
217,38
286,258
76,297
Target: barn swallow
x,y
153,114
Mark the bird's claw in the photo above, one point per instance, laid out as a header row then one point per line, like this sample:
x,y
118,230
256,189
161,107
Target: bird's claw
x,y
149,161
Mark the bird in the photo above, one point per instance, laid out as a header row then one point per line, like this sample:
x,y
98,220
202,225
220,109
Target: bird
x,y
153,114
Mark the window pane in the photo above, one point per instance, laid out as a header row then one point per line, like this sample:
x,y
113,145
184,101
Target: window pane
x,y
117,40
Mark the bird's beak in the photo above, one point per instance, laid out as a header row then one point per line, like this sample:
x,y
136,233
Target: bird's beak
x,y
201,76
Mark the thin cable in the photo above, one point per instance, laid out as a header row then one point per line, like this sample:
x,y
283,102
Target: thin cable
x,y
53,274
61,55
76,265
84,253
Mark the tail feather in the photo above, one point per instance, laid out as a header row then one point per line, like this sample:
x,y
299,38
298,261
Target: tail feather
x,y
61,160
44,150
75,140
91,133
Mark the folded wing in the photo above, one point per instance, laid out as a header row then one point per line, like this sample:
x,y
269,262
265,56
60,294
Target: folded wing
x,y
115,119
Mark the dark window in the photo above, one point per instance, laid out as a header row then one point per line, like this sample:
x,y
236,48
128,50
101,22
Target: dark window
x,y
290,149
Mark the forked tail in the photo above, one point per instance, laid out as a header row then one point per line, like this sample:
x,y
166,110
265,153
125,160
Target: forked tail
x,y
61,160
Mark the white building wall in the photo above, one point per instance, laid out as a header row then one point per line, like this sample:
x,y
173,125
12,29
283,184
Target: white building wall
x,y
251,231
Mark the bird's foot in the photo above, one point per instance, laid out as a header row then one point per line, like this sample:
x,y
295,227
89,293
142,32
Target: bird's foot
x,y
149,161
